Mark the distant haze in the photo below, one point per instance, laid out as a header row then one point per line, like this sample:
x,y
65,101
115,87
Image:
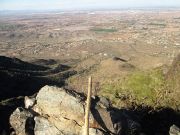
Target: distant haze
x,y
83,4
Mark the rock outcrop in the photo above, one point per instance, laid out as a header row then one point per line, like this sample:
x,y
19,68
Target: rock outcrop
x,y
22,121
174,130
59,111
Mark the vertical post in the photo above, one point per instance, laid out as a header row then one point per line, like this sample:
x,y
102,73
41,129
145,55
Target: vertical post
x,y
88,106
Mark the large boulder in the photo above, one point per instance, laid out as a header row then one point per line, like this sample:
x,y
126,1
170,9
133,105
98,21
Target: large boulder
x,y
67,109
63,109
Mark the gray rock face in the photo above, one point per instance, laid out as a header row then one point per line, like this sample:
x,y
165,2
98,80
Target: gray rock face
x,y
174,130
63,109
22,121
55,101
44,127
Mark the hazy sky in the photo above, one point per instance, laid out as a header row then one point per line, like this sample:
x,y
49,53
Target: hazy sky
x,y
83,4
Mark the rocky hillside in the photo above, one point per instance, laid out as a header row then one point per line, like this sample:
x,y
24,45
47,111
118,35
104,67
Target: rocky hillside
x,y
57,108
57,111
19,78
51,107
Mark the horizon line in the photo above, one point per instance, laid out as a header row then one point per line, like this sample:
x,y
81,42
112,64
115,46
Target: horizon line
x,y
98,9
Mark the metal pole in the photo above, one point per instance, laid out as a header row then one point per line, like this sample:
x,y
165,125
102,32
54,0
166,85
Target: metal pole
x,y
88,106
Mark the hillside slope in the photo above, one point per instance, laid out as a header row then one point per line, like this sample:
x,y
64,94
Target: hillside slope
x,y
19,78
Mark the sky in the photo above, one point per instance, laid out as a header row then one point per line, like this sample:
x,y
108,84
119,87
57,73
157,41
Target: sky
x,y
83,4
